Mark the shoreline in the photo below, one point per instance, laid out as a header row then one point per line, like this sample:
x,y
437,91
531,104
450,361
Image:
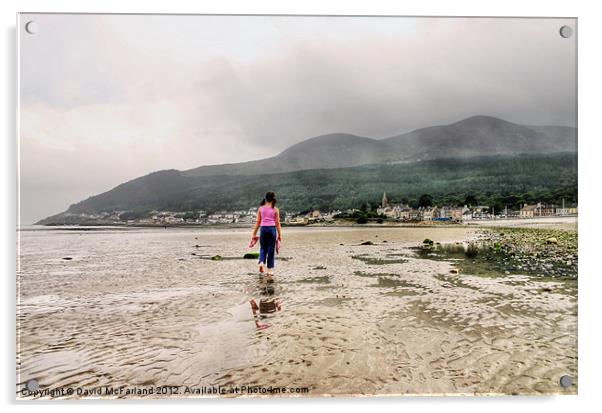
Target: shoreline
x,y
341,223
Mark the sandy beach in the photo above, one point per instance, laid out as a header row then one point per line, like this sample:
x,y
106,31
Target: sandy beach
x,y
148,307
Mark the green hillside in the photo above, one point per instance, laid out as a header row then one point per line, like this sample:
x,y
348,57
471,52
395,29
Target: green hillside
x,y
494,181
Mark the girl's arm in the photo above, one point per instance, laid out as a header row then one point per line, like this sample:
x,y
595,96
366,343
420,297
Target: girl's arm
x,y
257,224
278,224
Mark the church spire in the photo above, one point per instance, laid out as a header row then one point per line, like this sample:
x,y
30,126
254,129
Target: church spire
x,y
385,201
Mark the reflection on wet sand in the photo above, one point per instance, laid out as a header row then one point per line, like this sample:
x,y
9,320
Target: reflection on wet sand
x,y
136,308
267,305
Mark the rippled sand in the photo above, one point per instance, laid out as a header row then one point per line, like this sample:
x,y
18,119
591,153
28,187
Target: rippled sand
x,y
135,308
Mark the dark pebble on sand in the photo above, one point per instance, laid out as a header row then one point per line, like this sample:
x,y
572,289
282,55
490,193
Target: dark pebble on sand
x,y
67,258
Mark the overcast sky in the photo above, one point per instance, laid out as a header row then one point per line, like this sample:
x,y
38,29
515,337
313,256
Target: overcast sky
x,y
105,99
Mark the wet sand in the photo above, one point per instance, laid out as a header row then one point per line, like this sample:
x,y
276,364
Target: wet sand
x,y
134,307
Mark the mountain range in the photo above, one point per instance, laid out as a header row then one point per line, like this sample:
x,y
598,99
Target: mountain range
x,y
474,137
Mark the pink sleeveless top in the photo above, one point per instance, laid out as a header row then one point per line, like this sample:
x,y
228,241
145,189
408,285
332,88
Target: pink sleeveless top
x,y
268,216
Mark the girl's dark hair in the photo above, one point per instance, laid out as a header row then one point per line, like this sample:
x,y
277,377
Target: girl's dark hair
x,y
270,197
262,203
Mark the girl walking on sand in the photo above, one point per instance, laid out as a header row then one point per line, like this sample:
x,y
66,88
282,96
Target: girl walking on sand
x,y
268,225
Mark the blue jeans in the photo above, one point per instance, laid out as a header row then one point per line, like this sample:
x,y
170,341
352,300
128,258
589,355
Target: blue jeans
x,y
267,243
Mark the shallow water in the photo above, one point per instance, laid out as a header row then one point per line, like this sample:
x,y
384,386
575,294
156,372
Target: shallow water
x,y
134,307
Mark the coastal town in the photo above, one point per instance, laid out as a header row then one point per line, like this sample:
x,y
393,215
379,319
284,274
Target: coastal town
x,y
385,212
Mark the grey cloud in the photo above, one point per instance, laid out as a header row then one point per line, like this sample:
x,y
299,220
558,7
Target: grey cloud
x,y
383,86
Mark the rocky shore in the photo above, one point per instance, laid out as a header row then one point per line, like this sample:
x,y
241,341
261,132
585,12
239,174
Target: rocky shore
x,y
544,252
540,252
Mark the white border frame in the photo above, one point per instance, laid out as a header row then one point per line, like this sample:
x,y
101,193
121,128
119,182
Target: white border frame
x,y
589,202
